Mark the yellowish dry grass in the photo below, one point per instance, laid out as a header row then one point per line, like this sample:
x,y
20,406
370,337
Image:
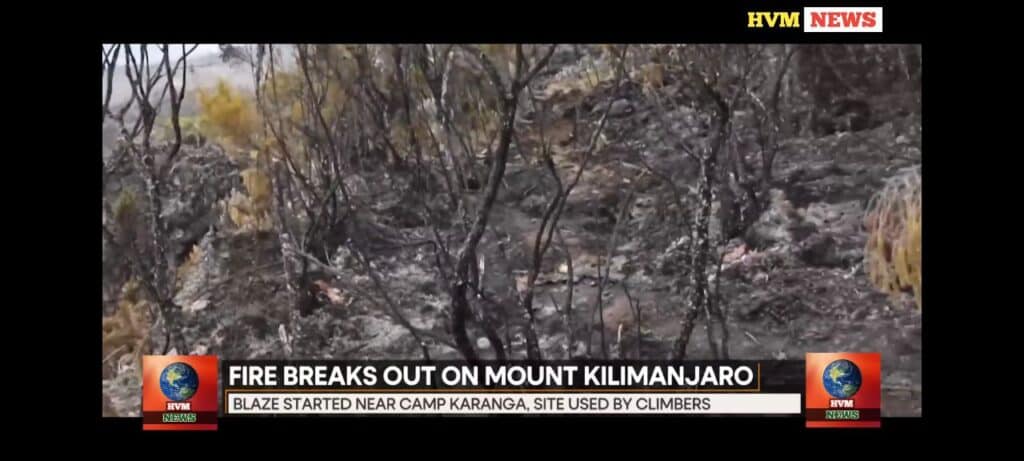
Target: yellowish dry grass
x,y
893,253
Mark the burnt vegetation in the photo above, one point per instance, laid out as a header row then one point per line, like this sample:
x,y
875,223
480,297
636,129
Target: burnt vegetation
x,y
511,202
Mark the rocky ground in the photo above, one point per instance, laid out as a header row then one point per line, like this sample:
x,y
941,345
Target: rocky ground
x,y
793,284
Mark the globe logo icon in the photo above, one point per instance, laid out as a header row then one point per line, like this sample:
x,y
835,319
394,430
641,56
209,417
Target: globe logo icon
x,y
842,379
179,381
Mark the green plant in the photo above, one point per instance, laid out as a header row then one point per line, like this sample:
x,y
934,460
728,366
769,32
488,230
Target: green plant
x,y
893,253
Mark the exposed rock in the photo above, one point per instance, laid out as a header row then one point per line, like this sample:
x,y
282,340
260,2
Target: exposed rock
x,y
842,218
564,55
199,180
618,313
535,205
200,272
779,223
124,391
620,108
546,311
820,250
483,343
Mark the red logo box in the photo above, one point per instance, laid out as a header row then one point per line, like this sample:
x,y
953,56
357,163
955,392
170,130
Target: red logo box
x,y
179,392
844,390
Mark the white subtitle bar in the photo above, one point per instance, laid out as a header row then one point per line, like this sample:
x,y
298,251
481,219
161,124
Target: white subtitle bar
x,y
323,403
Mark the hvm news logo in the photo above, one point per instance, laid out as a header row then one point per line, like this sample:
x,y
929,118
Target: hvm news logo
x,y
179,392
844,390
820,19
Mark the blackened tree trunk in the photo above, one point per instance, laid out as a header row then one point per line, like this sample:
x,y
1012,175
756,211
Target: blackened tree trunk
x,y
509,102
460,304
699,254
701,249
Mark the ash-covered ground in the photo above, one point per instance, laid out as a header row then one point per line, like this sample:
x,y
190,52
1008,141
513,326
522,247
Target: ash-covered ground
x,y
792,283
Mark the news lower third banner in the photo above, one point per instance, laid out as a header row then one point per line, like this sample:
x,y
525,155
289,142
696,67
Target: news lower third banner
x,y
438,388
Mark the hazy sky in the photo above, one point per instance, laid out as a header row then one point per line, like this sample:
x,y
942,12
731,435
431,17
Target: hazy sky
x,y
208,70
175,51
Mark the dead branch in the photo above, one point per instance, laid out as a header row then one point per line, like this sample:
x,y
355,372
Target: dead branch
x,y
382,291
603,276
597,312
109,64
700,250
508,103
570,287
150,82
635,306
716,310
